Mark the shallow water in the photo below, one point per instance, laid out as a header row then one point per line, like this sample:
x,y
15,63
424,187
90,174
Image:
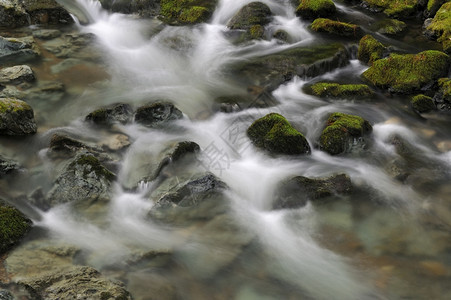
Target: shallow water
x,y
388,240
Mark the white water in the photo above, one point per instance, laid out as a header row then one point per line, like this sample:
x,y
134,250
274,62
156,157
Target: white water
x,y
186,65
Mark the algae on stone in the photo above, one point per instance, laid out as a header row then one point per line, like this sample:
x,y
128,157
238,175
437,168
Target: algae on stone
x,y
422,103
16,117
395,8
13,226
343,91
370,49
275,134
409,72
335,27
185,12
312,9
391,27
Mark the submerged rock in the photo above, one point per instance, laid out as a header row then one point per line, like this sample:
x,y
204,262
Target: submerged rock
x,y
296,191
343,133
275,134
312,9
340,91
83,179
409,72
79,282
422,104
18,50
16,117
370,50
157,114
440,26
391,27
13,227
336,28
186,12
16,75
111,114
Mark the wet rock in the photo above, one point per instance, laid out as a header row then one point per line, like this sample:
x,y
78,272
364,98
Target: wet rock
x,y
116,142
111,114
440,26
18,50
8,166
336,28
409,72
76,283
157,114
443,96
432,7
282,36
186,12
12,14
49,91
16,75
6,295
46,12
276,135
393,8
64,146
344,133
143,8
422,103
251,18
13,227
340,91
391,27
46,34
74,45
83,179
370,50
16,117
296,191
312,9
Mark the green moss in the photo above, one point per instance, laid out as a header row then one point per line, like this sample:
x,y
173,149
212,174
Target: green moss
x,y
340,130
183,12
275,134
370,49
92,164
311,9
256,32
12,105
252,14
433,6
335,90
335,27
422,103
441,26
395,8
13,226
391,26
445,89
408,73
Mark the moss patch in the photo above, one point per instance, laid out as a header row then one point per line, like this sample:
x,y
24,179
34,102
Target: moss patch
x,y
13,105
185,12
275,134
408,73
312,9
391,27
422,103
13,226
342,130
395,8
335,90
335,27
445,89
370,49
441,26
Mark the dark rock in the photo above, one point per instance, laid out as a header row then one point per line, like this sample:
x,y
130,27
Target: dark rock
x,y
16,117
83,179
275,134
46,12
186,12
13,227
442,97
312,9
16,75
296,191
422,104
111,114
12,14
252,14
282,35
143,8
64,146
8,166
75,283
18,50
432,7
157,114
344,133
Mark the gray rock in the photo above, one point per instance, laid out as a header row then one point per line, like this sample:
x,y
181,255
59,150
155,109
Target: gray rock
x,y
16,74
111,114
157,114
7,166
16,117
18,50
252,14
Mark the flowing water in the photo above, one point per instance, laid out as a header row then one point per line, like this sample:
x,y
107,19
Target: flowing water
x,y
388,240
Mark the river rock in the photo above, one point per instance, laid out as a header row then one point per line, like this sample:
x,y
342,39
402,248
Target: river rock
x,y
6,295
344,133
409,72
186,12
370,49
18,50
393,8
46,12
440,26
157,114
64,146
46,34
13,227
16,117
8,166
16,74
143,8
79,282
312,9
390,27
74,45
422,103
12,14
275,134
111,114
251,18
296,191
442,97
338,28
340,91
83,179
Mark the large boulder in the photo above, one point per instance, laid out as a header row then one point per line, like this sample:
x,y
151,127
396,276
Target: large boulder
x,y
344,133
370,49
18,50
340,91
338,28
409,72
16,75
16,117
157,114
84,179
441,26
13,227
79,282
275,134
186,12
312,9
296,191
111,114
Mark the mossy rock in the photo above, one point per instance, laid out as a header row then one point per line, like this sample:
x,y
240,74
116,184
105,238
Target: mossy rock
x,y
343,133
422,103
312,9
395,8
186,12
13,227
445,89
16,117
111,114
370,49
275,134
391,27
336,28
409,72
441,26
254,13
432,7
340,91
